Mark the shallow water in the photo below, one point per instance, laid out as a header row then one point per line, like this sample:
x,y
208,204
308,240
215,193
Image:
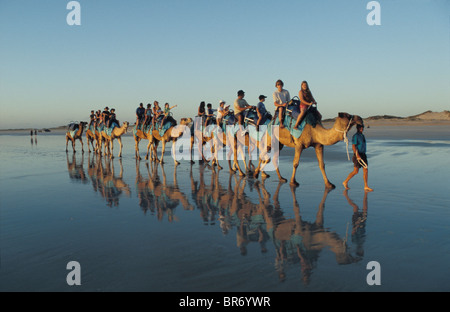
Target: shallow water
x,y
137,226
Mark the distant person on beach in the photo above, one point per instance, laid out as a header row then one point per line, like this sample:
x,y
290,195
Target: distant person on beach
x,y
140,111
240,105
306,100
280,98
166,112
359,158
260,110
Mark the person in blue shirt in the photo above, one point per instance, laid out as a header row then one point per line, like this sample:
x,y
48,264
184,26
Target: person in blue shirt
x,y
359,158
260,110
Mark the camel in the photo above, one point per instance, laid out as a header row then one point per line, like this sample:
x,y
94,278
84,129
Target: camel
x,y
91,137
76,136
116,133
316,137
220,140
138,135
171,135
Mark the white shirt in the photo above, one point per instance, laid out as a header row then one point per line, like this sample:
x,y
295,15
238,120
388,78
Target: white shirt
x,y
281,97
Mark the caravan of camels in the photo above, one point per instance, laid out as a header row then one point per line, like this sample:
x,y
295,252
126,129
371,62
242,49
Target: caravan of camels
x,y
296,123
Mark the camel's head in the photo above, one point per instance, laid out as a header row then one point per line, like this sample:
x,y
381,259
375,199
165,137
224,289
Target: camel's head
x,y
351,120
186,121
126,124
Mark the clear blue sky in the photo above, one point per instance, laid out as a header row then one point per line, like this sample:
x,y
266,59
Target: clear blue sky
x,y
185,52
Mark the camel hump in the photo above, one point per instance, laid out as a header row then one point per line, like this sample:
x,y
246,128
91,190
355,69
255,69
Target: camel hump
x,y
72,126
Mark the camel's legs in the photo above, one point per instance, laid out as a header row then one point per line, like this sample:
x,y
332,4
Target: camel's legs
x,y
298,153
277,169
88,142
319,153
107,148
82,145
174,153
148,149
163,149
111,149
235,153
191,150
67,142
217,147
154,148
119,139
136,147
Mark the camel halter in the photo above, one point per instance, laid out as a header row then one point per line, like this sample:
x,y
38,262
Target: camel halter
x,y
345,136
362,163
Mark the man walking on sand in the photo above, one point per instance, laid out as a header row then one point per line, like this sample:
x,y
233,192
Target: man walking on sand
x,y
359,158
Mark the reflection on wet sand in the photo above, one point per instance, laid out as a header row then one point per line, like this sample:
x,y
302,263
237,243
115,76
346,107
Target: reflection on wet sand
x,y
104,180
76,170
359,219
301,241
296,241
158,196
256,216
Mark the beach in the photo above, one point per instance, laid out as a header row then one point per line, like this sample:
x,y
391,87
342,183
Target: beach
x,y
141,226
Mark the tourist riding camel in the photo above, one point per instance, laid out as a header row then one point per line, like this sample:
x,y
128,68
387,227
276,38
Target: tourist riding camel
x,y
316,137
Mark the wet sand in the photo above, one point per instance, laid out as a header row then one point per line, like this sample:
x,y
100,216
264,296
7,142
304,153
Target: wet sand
x,y
160,229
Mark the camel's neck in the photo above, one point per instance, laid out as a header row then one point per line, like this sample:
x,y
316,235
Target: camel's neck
x,y
80,129
123,129
329,136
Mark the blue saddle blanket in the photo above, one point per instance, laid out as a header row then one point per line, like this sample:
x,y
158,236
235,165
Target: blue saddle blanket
x,y
312,118
109,130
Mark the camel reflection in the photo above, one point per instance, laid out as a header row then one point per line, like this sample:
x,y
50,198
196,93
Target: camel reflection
x,y
76,170
304,241
238,205
207,198
159,197
262,221
104,180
